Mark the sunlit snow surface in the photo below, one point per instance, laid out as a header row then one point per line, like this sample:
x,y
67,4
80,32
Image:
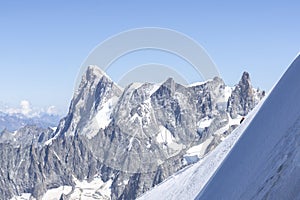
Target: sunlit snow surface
x,y
54,194
103,116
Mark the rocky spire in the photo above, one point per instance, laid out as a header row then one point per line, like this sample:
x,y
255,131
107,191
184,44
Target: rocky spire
x,y
243,98
95,88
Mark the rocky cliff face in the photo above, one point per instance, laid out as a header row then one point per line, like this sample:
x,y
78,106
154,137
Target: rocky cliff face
x,y
118,143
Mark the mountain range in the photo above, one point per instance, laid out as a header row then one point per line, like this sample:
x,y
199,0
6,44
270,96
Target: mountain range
x,y
14,121
117,143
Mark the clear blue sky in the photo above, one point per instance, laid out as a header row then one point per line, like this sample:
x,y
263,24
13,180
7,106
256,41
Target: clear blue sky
x,y
43,43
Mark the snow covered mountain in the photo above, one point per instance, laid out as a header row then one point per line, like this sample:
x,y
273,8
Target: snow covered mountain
x,y
258,160
118,143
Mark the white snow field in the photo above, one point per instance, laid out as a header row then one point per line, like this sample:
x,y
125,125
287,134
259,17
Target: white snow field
x,y
259,160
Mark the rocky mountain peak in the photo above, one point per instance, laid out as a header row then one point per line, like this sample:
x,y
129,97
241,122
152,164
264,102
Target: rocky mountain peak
x,y
91,78
218,80
93,72
244,97
170,81
95,89
245,77
245,83
167,89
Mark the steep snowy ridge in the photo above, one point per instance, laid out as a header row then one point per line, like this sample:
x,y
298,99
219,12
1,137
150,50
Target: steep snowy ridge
x,y
264,164
118,143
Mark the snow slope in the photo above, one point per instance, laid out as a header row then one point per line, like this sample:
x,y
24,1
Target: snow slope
x,y
265,162
187,183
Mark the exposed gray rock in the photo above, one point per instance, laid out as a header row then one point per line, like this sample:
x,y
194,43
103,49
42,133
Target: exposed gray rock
x,y
27,135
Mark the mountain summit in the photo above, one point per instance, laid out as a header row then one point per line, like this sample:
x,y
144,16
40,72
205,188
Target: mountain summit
x,y
243,98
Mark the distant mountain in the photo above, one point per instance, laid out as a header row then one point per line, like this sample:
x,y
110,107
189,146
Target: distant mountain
x,y
12,122
118,143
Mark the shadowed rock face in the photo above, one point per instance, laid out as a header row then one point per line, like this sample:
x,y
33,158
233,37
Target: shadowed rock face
x,y
136,137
